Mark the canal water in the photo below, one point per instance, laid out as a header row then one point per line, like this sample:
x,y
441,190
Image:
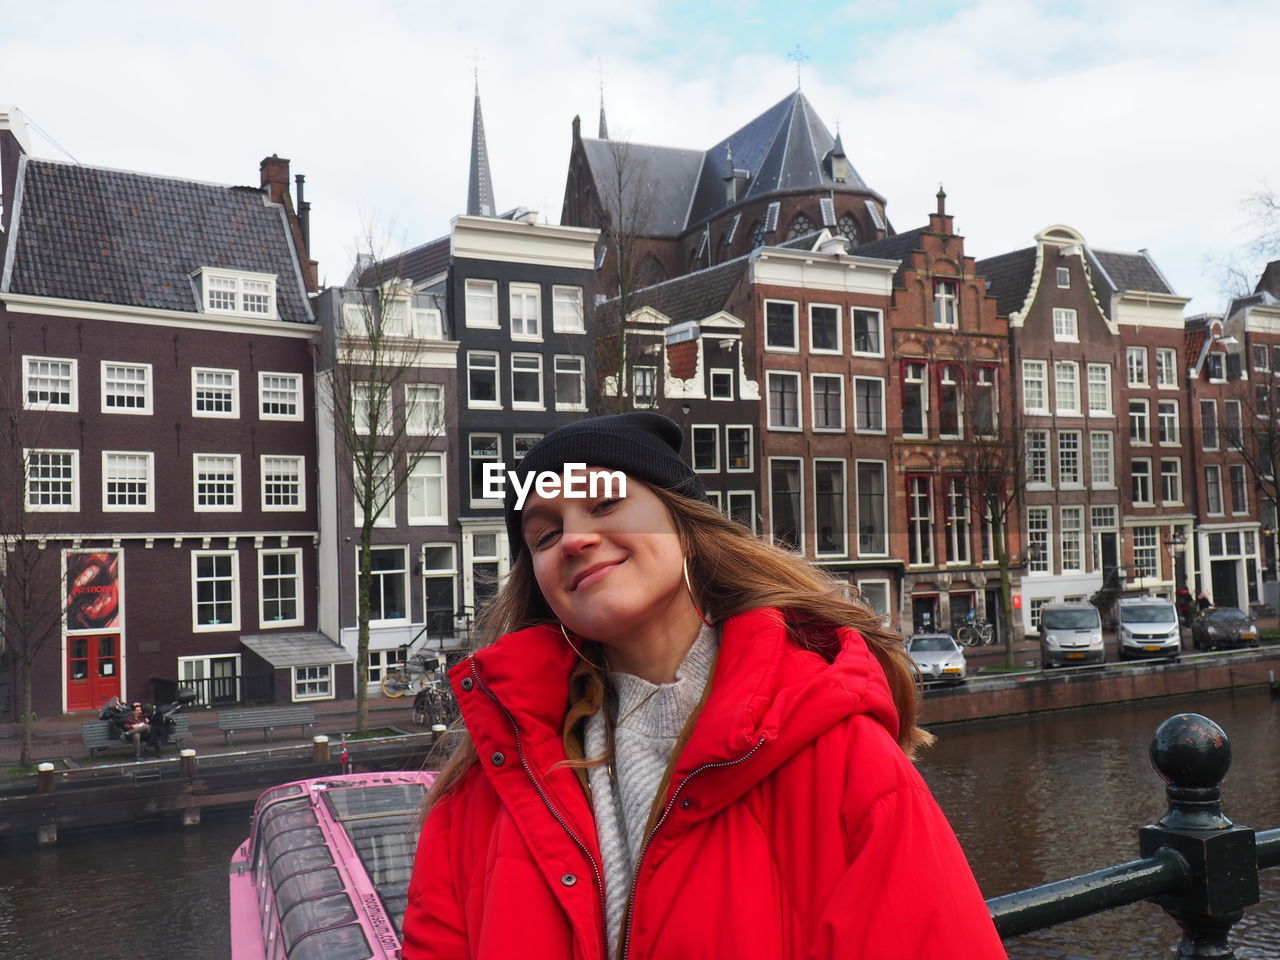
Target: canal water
x,y
1033,801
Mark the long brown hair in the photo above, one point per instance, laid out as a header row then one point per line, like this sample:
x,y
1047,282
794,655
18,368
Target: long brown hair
x,y
732,571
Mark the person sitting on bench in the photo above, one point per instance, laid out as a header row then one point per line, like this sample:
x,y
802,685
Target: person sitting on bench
x,y
136,726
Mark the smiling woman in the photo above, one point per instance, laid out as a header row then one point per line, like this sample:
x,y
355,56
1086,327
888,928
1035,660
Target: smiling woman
x,y
683,742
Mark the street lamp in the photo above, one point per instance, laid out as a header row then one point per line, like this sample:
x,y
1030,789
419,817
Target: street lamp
x,y
1176,544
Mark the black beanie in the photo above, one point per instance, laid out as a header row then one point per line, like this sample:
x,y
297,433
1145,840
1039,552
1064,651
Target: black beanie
x,y
645,446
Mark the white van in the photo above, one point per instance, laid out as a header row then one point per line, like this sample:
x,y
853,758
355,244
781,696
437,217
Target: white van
x,y
1147,627
1070,634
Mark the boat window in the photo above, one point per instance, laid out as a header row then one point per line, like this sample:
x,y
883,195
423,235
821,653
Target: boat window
x,y
307,886
275,793
287,820
343,943
380,801
318,914
293,840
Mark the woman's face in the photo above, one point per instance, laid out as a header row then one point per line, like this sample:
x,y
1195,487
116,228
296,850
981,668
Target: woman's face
x,y
610,567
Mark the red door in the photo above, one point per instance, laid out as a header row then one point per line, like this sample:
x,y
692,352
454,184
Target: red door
x,y
93,671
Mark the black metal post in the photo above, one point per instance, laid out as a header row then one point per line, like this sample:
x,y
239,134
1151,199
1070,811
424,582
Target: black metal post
x,y
1192,755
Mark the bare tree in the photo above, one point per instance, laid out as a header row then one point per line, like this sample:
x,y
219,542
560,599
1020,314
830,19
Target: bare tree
x,y
1254,435
385,415
1263,207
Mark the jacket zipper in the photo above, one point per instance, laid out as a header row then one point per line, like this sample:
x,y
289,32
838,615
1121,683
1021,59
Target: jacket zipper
x,y
644,847
524,762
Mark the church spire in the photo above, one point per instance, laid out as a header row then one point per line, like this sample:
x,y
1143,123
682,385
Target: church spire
x,y
480,184
604,126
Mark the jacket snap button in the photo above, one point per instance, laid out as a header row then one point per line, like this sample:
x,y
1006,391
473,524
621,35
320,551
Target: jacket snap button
x,y
498,759
467,683
568,879
686,803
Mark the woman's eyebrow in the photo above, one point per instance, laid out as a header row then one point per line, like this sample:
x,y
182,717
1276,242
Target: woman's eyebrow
x,y
537,511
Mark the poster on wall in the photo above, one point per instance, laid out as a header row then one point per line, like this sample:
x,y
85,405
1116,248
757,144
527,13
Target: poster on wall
x,y
93,590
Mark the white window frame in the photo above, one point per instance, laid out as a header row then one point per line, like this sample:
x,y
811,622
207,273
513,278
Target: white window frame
x,y
1070,539
427,467
865,595
403,573
1217,426
266,466
1066,450
798,463
297,677
497,458
1162,408
1166,362
147,407
704,428
1104,409
1039,533
1146,539
525,440
857,427
950,375
839,347
1241,505
1171,501
1037,447
263,388
236,487
525,294
1214,470
1066,326
1035,371
73,377
473,290
853,321
795,326
728,374
885,495
363,395
842,502
496,370
921,529
920,384
581,373
234,390
813,402
795,377
566,302
296,621
946,303
1102,479
1135,361
1140,409
426,323
73,463
1063,276
540,403
149,480
751,453
1135,475
424,409
1061,393
652,401
387,516
239,283
729,497
957,535
220,627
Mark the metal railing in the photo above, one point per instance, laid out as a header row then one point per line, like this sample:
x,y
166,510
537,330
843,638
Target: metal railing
x,y
230,691
1197,865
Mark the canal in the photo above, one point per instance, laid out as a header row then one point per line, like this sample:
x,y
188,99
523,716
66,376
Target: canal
x,y
1032,800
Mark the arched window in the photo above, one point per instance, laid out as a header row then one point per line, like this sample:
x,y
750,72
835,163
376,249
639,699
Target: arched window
x,y
757,235
848,227
800,226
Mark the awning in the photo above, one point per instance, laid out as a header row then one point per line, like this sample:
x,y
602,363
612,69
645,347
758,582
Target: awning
x,y
296,649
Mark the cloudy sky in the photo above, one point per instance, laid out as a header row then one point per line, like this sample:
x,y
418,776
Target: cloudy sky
x,y
1142,124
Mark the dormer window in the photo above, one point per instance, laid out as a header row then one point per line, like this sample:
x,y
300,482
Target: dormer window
x,y
238,293
840,168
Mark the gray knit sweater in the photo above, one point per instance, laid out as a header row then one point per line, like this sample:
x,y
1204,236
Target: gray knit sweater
x,y
643,742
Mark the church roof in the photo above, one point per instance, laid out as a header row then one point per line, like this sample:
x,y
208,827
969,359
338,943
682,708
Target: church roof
x,y
656,183
479,183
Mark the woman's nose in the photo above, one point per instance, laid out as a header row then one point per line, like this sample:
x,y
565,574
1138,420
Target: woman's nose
x,y
575,540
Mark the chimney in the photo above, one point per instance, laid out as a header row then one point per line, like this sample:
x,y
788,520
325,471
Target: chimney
x,y
275,175
304,213
13,144
942,201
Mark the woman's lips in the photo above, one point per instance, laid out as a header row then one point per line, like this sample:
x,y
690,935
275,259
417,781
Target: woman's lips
x,y
593,575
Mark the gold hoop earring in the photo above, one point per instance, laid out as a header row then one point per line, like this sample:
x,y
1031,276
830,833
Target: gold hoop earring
x,y
692,599
565,633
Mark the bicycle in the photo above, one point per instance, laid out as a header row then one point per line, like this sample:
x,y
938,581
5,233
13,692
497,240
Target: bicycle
x,y
434,705
976,633
405,677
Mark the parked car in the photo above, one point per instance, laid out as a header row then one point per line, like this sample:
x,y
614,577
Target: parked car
x,y
938,657
1223,627
1070,634
1147,627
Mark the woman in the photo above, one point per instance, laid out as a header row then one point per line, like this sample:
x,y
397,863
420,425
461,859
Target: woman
x,y
679,746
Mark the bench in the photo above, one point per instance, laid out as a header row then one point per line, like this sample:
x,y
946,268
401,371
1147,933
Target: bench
x,y
97,736
265,719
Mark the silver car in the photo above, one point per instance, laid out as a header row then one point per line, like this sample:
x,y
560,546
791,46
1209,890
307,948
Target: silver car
x,y
938,657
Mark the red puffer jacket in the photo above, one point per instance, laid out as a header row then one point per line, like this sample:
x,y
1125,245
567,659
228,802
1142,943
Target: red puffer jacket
x,y
793,825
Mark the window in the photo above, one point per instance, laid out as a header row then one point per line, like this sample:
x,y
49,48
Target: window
x,y
526,381
1139,422
484,448
313,682
522,443
53,480
738,452
1035,609
1038,552
526,311
742,508
875,596
1146,553
915,400
1209,424
919,521
706,449
355,319
49,384
721,384
1037,458
1064,278
1213,366
282,483
215,590
280,396
872,520
370,402
1261,358
1069,458
427,324
126,387
1166,367
395,316
957,520
784,400
1167,422
828,402
985,401
1035,393
571,383
241,293
868,404
1066,383
440,587
482,380
424,409
1071,538
867,339
946,295
1136,358
1239,489
1140,482
213,392
217,482
644,386
1213,489
824,329
126,481
1102,459
831,524
388,585
1261,400
780,323
1104,521
425,487
566,310
1171,481
279,588
1064,324
1100,389
786,496
481,303
950,419
1231,424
